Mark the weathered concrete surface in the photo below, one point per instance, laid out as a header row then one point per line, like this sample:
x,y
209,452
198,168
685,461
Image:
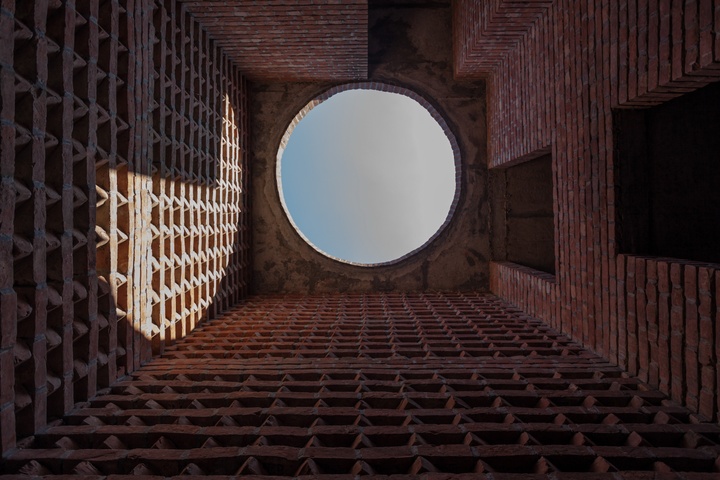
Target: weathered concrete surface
x,y
409,46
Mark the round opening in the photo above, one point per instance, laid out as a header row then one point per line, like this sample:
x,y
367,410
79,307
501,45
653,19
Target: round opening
x,y
368,176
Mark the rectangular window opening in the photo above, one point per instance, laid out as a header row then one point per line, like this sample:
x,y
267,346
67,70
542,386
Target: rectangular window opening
x,y
523,213
667,160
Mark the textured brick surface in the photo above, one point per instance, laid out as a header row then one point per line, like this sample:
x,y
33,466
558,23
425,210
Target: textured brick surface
x,y
486,32
123,154
432,384
271,40
199,242
554,80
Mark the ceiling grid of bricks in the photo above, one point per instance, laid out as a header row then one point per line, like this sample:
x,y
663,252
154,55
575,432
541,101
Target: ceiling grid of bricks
x,y
340,386
272,40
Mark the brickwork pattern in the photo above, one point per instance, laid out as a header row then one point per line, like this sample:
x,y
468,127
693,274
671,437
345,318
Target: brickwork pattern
x,y
283,40
67,83
90,202
438,385
556,88
535,290
487,32
199,236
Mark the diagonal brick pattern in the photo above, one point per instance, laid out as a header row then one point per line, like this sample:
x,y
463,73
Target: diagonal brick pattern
x,y
487,32
438,385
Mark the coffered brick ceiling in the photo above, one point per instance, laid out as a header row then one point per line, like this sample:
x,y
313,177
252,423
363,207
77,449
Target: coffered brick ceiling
x,y
326,40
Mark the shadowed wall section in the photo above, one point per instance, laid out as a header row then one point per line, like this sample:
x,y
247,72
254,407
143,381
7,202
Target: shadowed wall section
x,y
123,202
487,32
558,86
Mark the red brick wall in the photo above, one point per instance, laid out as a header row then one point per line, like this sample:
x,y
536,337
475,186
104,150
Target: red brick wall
x,y
485,32
198,256
286,40
391,386
536,291
115,169
558,87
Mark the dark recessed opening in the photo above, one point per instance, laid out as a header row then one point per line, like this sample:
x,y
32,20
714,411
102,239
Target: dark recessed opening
x,y
525,220
668,165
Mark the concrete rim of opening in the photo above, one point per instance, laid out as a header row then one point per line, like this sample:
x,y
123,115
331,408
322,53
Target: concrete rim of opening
x,y
382,87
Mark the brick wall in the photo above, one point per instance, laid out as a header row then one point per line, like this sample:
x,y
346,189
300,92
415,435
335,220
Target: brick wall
x,y
558,87
536,291
123,152
410,47
271,40
486,32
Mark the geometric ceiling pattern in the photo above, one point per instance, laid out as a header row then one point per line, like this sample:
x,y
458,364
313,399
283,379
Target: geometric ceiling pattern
x,y
451,385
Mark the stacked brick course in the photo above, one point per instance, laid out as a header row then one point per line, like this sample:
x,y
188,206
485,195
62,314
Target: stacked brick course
x,y
94,210
272,40
337,386
557,87
487,32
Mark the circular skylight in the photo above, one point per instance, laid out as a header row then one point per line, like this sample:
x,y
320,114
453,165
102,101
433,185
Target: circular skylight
x,y
367,176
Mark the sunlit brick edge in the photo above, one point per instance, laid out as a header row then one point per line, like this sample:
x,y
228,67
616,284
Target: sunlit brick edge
x,y
382,87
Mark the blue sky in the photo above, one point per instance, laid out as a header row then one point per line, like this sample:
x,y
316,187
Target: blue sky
x,y
368,176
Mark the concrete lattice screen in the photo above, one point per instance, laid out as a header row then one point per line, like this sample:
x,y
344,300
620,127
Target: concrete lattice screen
x,y
113,193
